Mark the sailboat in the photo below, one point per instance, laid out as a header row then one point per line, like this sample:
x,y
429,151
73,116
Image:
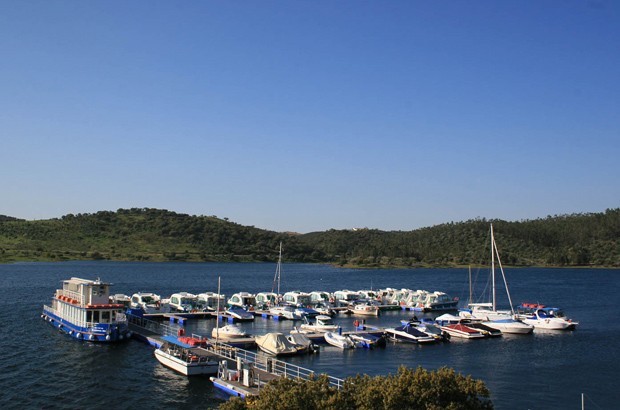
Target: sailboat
x,y
503,320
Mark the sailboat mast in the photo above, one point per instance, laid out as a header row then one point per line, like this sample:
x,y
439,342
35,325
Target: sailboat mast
x,y
470,289
276,278
493,266
217,314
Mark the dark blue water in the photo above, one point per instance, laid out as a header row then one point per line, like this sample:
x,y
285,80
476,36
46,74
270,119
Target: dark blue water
x,y
41,368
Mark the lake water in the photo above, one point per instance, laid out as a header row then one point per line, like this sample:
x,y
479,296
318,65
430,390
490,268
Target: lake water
x,y
41,368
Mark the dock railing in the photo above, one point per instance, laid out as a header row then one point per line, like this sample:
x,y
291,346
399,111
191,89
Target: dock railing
x,y
268,364
152,326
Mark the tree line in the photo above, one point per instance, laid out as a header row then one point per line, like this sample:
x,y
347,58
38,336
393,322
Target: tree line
x,y
146,234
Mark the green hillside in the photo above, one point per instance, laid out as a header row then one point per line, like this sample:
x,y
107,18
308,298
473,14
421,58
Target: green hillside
x,y
143,234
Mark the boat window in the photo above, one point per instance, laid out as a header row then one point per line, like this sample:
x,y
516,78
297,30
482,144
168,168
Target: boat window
x,y
95,316
105,316
89,315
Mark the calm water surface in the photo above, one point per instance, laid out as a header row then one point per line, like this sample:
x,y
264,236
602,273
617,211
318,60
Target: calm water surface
x,y
41,368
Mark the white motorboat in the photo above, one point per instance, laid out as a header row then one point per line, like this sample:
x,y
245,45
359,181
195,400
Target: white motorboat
x,y
183,302
454,327
243,300
277,344
364,309
210,301
120,299
148,302
549,318
408,332
322,323
187,361
240,314
338,340
439,301
284,312
496,319
229,331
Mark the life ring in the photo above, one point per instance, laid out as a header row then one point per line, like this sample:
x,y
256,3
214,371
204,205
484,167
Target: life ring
x,y
181,332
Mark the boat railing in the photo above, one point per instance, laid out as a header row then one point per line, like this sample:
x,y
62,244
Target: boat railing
x,y
269,364
70,294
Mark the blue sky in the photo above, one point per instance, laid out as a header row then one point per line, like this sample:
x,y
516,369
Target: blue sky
x,y
310,115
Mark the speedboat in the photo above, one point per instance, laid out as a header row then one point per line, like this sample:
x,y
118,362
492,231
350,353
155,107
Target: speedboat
x,y
240,314
83,310
453,326
409,332
321,323
306,311
190,361
484,327
284,312
229,331
338,340
324,309
503,321
277,344
548,318
368,340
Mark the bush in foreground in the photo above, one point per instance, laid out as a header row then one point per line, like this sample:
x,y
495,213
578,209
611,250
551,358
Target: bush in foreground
x,y
408,389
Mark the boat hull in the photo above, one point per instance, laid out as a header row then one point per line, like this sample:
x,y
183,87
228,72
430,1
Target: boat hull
x,y
513,327
462,332
208,367
103,333
338,341
403,336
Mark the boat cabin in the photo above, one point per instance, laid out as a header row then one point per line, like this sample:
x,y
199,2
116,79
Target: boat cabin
x,y
183,301
346,297
320,297
242,299
210,300
266,299
142,300
83,309
297,298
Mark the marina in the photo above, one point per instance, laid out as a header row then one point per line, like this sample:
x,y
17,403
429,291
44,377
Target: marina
x,y
241,372
530,360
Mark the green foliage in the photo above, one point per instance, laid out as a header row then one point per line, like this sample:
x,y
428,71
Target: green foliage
x,y
569,240
408,389
144,234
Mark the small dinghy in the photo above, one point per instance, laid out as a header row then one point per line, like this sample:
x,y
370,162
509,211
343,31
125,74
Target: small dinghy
x,y
340,341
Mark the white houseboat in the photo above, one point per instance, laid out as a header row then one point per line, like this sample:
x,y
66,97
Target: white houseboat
x,y
297,299
83,310
242,299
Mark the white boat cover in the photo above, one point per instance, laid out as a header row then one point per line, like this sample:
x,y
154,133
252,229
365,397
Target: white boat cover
x,y
276,344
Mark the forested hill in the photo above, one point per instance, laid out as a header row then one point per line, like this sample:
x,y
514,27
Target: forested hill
x,y
160,235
